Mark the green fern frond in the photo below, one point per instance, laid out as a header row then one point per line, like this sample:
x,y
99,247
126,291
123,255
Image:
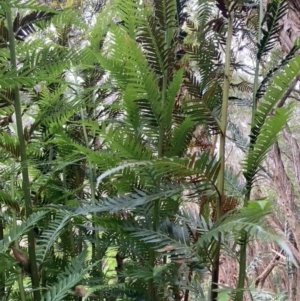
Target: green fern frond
x,y
233,185
99,31
10,145
266,81
26,5
50,235
204,12
15,234
166,12
125,145
6,98
249,219
54,111
129,12
48,63
237,136
72,275
181,137
7,201
242,86
266,138
127,201
24,26
274,93
178,249
276,9
172,92
201,113
154,44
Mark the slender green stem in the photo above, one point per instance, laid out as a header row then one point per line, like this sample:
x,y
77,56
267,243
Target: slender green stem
x,y
242,268
12,193
221,198
152,291
2,275
25,175
243,240
256,77
96,254
69,226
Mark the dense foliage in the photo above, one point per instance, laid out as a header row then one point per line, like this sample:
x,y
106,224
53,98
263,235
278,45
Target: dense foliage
x,y
112,184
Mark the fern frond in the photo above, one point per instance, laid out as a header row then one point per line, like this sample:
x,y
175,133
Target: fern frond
x,y
248,218
201,113
171,94
125,145
10,145
166,12
127,201
266,81
274,93
24,26
276,9
73,274
237,136
266,138
153,42
26,5
242,86
7,201
50,234
181,137
15,234
49,62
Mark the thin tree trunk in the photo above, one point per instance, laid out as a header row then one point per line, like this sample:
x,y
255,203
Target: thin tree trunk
x,y
2,277
25,175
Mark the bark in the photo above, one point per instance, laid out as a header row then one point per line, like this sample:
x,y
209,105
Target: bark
x,y
295,152
285,192
290,26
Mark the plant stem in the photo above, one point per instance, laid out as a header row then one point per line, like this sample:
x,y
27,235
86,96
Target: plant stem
x,y
69,226
25,175
151,288
12,193
96,255
221,198
255,84
243,240
2,276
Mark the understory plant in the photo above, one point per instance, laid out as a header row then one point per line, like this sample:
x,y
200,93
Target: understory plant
x,y
114,188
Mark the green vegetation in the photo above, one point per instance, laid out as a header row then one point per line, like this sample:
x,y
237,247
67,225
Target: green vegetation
x,y
113,185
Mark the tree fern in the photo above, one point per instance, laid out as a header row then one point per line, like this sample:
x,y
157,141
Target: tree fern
x,y
69,278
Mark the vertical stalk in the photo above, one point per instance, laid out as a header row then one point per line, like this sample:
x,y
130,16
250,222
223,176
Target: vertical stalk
x,y
96,255
243,239
12,193
255,84
221,198
25,175
69,233
2,275
151,287
152,290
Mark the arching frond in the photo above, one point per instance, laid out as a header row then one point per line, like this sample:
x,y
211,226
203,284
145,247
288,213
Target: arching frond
x,y
69,278
50,234
264,140
281,80
276,9
15,234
